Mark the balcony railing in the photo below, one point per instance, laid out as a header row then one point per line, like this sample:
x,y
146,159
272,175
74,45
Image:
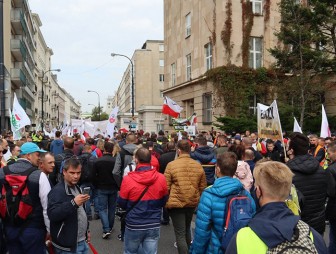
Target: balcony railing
x,y
18,49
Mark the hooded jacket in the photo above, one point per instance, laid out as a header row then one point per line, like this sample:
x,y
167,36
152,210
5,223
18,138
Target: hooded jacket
x,y
314,184
210,215
274,223
207,157
56,146
146,214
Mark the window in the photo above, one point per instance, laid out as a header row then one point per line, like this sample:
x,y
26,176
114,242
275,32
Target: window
x,y
161,62
188,24
208,56
207,108
173,74
255,60
188,57
257,7
161,77
161,47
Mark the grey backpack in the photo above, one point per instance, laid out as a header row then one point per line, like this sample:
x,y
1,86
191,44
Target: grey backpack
x,y
301,242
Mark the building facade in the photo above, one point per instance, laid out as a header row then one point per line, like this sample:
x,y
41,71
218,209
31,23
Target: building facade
x,y
27,62
148,73
196,40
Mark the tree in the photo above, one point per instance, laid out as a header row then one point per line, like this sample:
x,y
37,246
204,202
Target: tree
x,y
300,56
95,114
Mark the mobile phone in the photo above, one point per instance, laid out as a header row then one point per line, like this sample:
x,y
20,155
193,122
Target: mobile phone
x,y
86,190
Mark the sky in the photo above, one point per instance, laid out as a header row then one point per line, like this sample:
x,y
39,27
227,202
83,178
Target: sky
x,y
84,33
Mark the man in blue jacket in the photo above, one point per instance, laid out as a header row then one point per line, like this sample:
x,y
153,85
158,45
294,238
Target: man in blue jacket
x,y
68,221
211,209
274,224
56,146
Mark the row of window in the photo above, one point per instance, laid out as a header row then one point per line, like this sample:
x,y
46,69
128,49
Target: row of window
x,y
255,59
257,9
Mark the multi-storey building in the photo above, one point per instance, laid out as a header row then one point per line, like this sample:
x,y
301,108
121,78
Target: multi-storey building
x,y
109,103
148,74
196,41
27,63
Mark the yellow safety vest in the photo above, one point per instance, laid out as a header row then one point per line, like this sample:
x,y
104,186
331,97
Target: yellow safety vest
x,y
248,242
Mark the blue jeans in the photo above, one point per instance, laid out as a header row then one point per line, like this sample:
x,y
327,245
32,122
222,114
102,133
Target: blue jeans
x,y
141,241
332,237
107,202
82,248
29,241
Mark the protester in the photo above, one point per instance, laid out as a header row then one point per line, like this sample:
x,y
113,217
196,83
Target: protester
x,y
143,193
15,152
67,153
186,181
311,180
249,159
274,224
315,149
106,188
78,144
211,208
57,145
206,157
47,164
272,153
221,144
30,238
4,146
68,221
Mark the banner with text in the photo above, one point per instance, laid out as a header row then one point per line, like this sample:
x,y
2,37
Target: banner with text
x,y
269,125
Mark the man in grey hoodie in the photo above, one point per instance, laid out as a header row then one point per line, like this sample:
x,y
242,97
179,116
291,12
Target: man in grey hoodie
x,y
56,146
124,158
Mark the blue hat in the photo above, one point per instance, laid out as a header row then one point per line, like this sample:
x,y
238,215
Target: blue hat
x,y
30,147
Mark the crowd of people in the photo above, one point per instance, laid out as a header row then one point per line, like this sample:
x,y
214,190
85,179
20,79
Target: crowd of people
x,y
149,180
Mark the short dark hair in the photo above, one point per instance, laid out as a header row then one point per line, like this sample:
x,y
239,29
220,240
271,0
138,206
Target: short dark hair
x,y
184,146
12,147
201,140
73,162
108,147
299,143
171,145
143,155
58,134
90,141
269,141
227,163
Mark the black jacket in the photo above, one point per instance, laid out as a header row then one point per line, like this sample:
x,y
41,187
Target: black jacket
x,y
62,212
331,206
165,159
314,183
102,173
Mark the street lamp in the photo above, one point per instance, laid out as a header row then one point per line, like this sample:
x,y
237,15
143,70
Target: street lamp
x,y
43,74
91,91
132,79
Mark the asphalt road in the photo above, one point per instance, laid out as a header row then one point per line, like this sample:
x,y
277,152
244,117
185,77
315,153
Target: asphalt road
x,y
113,245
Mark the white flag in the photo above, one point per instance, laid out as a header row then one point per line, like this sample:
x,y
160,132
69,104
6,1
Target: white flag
x,y
297,127
14,125
112,121
19,114
325,131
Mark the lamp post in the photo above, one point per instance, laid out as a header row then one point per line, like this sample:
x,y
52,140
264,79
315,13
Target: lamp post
x,y
43,74
91,91
132,79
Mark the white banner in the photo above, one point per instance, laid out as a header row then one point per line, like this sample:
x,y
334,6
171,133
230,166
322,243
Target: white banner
x,y
19,114
325,130
112,121
269,125
296,127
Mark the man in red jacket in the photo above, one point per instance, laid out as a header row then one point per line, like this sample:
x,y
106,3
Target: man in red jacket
x,y
143,193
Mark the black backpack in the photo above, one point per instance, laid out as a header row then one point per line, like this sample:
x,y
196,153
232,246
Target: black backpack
x,y
16,205
86,161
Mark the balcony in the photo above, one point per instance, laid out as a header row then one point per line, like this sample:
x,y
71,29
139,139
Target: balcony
x,y
18,50
18,3
18,21
18,78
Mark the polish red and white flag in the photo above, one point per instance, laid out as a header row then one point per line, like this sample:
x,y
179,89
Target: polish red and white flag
x,y
171,108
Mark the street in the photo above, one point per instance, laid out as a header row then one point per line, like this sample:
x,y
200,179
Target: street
x,y
113,245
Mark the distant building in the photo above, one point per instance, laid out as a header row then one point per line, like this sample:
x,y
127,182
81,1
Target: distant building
x,y
148,83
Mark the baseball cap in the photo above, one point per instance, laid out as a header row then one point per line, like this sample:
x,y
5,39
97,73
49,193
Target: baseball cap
x,y
30,147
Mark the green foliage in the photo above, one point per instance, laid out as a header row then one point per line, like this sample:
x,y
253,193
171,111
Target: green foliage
x,y
230,124
95,114
236,86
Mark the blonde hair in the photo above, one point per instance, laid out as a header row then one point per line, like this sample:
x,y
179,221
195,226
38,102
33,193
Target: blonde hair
x,y
275,178
116,148
100,144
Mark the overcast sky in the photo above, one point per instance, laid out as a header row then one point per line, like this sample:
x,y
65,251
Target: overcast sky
x,y
84,33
